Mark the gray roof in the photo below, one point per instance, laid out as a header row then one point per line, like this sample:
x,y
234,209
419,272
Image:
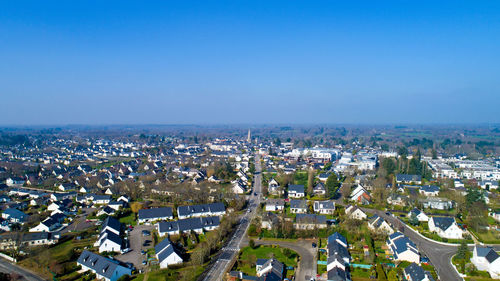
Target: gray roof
x,y
299,188
337,236
111,223
443,222
155,213
417,273
298,204
487,253
103,266
310,219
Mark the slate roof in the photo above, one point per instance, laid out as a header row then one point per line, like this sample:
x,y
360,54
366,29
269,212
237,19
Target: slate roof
x,y
111,223
408,178
276,272
168,226
337,236
337,274
299,204
103,266
200,209
443,222
15,213
416,272
310,219
429,188
487,253
298,188
155,213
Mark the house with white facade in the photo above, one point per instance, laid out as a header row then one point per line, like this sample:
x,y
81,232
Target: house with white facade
x,y
378,224
296,191
275,205
445,227
354,212
402,248
485,258
421,216
298,206
324,207
166,254
104,268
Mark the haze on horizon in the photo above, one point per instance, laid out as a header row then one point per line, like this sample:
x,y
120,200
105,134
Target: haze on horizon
x,y
233,62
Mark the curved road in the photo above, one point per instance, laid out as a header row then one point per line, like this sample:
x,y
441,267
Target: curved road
x,y
307,264
439,254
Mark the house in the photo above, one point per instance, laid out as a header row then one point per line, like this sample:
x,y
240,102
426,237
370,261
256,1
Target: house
x,y
109,239
50,224
485,258
323,177
338,258
273,187
298,206
213,209
403,178
197,225
238,187
421,216
296,191
378,224
104,268
269,220
106,211
397,199
14,216
155,214
488,185
414,272
101,199
310,221
402,248
429,190
166,254
270,269
495,215
354,212
319,189
273,205
437,203
12,240
324,207
360,195
445,227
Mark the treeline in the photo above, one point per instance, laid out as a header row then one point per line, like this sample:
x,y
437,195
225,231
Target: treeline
x,y
403,165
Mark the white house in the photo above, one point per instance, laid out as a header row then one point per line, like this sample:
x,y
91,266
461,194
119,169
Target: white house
x,y
402,248
354,212
421,216
485,258
324,207
296,191
445,227
104,268
166,255
378,224
273,205
298,206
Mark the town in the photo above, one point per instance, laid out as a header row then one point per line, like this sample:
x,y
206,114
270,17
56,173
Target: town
x,y
261,203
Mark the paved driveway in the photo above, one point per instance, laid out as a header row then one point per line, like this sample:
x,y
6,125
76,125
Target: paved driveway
x,y
307,265
136,244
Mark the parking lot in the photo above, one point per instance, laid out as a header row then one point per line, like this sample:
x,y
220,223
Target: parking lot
x,y
136,240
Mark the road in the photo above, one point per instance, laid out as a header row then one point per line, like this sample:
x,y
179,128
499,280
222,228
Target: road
x,y
307,265
224,259
439,254
7,267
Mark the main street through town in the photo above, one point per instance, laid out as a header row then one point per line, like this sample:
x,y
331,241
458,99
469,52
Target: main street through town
x,y
224,259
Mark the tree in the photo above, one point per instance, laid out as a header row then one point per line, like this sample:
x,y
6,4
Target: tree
x,y
434,154
136,206
392,276
462,254
332,183
310,182
413,219
251,243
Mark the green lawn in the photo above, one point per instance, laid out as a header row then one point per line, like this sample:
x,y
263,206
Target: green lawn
x,y
248,257
130,219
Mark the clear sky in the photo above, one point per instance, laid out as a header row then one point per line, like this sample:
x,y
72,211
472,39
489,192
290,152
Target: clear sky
x,y
206,62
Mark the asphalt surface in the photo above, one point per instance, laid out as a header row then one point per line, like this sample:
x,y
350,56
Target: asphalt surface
x,y
136,240
439,254
303,247
223,260
7,267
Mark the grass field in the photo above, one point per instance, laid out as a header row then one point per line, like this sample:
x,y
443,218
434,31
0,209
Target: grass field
x,y
130,219
185,273
248,257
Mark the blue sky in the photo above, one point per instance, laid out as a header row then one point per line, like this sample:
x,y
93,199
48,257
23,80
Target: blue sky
x,y
213,62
